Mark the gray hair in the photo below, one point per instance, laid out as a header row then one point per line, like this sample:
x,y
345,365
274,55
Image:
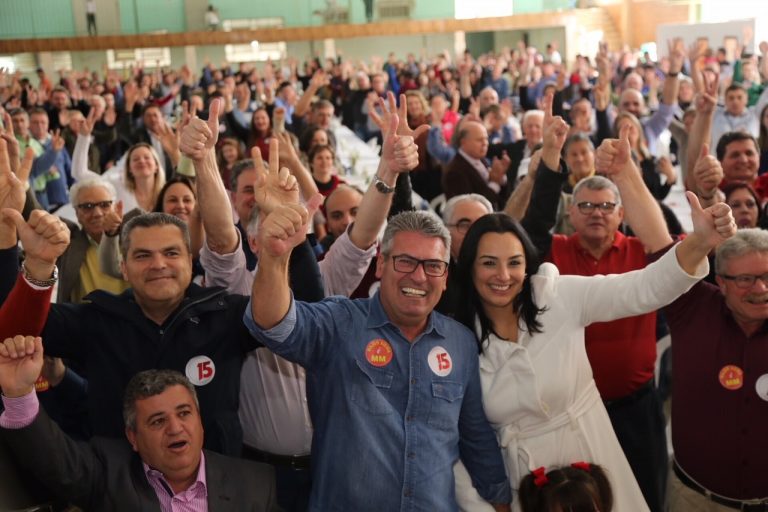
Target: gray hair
x,y
151,383
745,241
423,222
450,205
81,185
149,220
598,183
532,113
239,168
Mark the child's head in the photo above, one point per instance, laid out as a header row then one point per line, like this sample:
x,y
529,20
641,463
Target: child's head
x,y
580,487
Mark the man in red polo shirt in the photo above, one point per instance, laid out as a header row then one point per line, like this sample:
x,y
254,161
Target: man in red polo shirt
x,y
622,352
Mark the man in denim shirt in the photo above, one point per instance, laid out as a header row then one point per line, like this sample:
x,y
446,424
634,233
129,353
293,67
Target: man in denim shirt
x,y
394,388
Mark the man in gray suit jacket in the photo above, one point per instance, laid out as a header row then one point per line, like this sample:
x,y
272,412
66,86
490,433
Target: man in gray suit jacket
x,y
163,427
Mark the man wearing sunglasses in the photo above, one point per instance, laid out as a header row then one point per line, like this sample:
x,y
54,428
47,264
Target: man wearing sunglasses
x,y
393,388
79,269
623,352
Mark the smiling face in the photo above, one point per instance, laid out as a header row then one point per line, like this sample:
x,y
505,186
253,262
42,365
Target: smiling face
x,y
261,121
475,140
741,161
748,305
179,201
158,265
142,163
322,165
498,271
169,434
598,227
409,298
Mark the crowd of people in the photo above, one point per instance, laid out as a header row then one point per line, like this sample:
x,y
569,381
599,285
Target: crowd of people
x,y
202,309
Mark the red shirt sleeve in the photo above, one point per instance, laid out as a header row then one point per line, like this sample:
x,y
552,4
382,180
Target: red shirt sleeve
x,y
25,310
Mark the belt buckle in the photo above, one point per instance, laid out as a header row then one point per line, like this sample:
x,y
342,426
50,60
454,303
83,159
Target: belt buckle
x,y
755,506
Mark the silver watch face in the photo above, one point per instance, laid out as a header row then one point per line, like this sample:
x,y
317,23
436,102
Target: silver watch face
x,y
383,187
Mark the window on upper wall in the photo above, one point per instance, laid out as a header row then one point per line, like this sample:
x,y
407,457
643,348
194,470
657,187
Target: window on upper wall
x,y
465,9
150,57
256,51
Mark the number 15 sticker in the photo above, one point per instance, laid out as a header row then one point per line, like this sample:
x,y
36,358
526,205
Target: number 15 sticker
x,y
440,361
200,370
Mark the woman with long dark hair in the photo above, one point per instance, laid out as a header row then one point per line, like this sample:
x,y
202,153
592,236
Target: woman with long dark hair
x,y
538,389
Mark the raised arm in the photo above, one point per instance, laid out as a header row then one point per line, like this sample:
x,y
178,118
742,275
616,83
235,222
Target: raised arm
x,y
701,131
80,169
399,154
198,141
642,211
711,227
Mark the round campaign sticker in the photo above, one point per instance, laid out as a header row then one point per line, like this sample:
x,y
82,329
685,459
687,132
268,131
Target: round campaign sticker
x,y
200,370
378,352
440,361
761,386
731,377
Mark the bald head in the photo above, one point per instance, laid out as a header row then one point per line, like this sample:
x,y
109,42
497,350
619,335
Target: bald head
x,y
473,139
632,101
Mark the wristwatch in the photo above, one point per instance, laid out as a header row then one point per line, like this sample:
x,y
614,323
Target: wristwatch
x,y
381,186
47,283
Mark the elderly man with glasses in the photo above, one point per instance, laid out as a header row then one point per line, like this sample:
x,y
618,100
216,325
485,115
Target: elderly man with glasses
x,y
395,389
79,269
623,352
720,350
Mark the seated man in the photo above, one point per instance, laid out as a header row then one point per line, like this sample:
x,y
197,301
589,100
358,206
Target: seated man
x,y
468,173
395,390
79,269
163,426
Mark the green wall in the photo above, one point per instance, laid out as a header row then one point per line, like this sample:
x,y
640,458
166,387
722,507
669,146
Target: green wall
x,y
36,18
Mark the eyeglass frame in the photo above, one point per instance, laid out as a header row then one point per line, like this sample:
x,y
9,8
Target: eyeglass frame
x,y
751,278
400,257
462,226
89,207
602,206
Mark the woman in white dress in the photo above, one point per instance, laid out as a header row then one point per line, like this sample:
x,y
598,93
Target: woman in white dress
x,y
538,389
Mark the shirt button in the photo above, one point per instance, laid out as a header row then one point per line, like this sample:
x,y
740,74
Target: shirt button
x,y
409,418
411,455
161,331
413,381
408,493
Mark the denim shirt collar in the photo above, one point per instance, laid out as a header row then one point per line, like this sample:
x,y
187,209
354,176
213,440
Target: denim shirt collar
x,y
377,317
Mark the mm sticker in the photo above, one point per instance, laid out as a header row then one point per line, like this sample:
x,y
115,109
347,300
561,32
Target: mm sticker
x,y
731,377
378,352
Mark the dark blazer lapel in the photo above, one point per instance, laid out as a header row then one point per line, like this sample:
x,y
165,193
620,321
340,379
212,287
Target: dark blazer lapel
x,y
144,491
222,495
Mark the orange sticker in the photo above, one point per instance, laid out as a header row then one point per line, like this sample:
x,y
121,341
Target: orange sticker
x,y
42,384
378,352
731,377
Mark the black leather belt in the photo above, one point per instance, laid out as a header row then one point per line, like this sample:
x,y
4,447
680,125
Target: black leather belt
x,y
632,397
743,505
301,462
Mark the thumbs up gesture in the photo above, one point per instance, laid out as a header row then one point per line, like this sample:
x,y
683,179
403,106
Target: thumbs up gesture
x,y
199,137
614,155
44,238
399,152
707,173
713,225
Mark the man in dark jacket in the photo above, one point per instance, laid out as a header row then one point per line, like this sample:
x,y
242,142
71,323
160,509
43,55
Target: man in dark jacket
x,y
163,427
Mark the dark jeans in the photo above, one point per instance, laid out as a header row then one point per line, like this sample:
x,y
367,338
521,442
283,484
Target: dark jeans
x,y
91,22
293,488
638,421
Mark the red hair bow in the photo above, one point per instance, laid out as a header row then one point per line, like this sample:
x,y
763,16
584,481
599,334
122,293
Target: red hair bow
x,y
540,477
584,466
